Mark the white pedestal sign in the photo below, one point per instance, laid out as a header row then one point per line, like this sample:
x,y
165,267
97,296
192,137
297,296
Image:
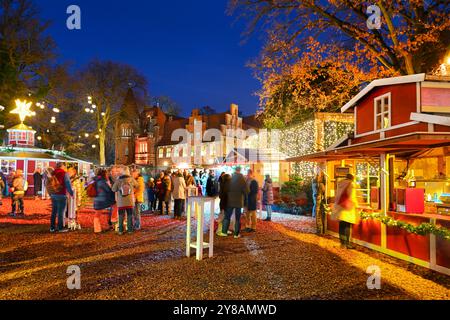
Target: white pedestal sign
x,y
196,206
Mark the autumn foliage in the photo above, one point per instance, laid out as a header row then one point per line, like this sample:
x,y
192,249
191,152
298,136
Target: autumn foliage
x,y
319,53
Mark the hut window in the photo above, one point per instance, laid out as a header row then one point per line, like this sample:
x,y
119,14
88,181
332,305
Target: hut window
x,y
383,112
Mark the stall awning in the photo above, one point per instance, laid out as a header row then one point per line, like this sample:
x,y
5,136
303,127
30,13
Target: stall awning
x,y
405,145
247,156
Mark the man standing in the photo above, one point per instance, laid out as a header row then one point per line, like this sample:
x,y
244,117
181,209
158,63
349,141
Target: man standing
x,y
18,190
252,202
37,182
237,193
167,190
139,196
179,194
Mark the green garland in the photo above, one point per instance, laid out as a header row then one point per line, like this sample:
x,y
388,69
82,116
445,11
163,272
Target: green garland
x,y
422,229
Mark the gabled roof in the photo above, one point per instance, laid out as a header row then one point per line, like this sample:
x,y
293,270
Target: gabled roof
x,y
383,82
21,127
246,155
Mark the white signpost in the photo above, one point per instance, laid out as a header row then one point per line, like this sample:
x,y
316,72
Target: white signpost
x,y
197,205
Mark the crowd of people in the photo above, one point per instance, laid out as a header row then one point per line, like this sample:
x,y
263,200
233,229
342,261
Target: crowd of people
x,y
123,193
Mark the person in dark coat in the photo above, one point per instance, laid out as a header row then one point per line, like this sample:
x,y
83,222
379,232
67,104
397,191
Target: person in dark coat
x,y
223,196
268,196
166,193
37,182
211,185
252,202
160,192
236,196
105,197
3,188
151,194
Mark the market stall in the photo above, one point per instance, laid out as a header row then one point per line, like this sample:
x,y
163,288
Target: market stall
x,y
400,157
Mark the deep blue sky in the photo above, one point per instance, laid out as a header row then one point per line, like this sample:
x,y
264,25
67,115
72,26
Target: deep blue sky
x,y
189,50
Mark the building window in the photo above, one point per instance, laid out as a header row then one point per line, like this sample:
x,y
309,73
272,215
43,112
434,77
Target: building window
x,y
161,153
143,147
383,112
169,152
127,132
8,166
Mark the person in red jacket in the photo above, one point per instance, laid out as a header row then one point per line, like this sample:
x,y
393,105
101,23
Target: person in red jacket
x,y
59,186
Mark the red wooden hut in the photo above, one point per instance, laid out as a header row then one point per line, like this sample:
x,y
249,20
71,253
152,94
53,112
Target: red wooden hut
x,y
400,156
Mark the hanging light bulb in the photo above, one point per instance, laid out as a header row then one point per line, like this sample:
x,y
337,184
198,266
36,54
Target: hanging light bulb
x,y
94,146
86,135
39,138
94,106
97,136
56,110
87,110
103,114
92,111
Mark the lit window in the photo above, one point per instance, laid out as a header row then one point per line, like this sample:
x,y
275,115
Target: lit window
x,y
272,169
169,152
161,153
383,112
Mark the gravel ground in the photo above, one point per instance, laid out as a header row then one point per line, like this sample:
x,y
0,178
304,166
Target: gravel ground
x,y
283,260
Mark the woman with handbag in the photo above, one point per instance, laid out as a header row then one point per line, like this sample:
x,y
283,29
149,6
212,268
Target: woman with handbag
x,y
104,198
344,209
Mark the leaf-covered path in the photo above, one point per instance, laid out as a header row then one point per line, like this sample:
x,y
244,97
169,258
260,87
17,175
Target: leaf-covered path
x,y
283,260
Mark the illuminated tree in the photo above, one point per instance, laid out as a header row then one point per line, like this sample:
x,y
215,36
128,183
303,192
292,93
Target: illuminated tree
x,y
414,35
321,79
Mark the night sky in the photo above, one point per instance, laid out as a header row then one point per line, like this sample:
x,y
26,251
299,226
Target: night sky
x,y
189,50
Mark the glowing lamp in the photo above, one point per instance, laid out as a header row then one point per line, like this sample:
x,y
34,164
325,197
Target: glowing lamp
x,y
86,135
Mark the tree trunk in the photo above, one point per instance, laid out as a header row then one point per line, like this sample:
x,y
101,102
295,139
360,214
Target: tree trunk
x,y
409,64
102,155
